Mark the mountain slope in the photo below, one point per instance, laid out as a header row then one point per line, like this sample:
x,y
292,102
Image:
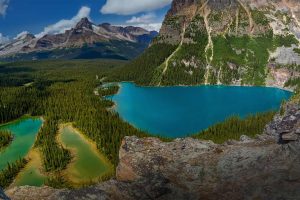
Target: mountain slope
x,y
240,42
85,40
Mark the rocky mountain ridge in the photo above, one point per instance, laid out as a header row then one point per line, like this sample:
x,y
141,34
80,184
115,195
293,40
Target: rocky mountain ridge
x,y
231,42
84,34
266,167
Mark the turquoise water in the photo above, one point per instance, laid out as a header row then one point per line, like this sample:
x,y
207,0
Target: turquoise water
x,y
24,132
181,111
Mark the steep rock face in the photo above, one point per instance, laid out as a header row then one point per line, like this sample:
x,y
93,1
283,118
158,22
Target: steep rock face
x,y
50,41
266,167
181,12
212,36
249,169
224,15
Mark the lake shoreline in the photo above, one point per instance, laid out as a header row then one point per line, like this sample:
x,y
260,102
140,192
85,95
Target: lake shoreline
x,y
197,85
16,127
137,91
35,161
24,117
66,172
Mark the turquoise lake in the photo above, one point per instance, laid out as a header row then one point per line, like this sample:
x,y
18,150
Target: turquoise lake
x,y
182,111
24,132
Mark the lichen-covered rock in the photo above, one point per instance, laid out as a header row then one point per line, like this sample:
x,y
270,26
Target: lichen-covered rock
x,y
33,193
289,137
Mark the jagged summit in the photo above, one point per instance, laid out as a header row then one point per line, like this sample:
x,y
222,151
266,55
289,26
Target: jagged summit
x,y
84,23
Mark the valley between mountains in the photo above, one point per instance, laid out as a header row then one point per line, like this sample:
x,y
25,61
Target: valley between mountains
x,y
208,43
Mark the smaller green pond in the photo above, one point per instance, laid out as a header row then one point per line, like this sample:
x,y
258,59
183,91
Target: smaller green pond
x,y
30,176
88,165
24,132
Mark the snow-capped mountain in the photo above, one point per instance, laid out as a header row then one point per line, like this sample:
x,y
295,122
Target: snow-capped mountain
x,y
106,39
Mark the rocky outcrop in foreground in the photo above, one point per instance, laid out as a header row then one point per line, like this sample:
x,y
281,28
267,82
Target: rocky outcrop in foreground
x,y
267,167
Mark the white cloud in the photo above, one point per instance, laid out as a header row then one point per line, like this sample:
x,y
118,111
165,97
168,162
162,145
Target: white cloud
x,y
150,27
3,6
145,18
129,7
66,24
146,21
3,39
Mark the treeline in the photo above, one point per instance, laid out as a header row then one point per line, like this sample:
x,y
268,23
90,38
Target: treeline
x,y
64,92
234,127
107,91
5,138
14,76
141,70
294,82
57,181
55,157
14,102
8,174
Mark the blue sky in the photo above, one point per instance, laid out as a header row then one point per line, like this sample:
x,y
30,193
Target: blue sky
x,y
51,16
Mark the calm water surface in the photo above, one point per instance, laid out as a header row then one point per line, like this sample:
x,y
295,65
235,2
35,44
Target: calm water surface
x,y
30,176
181,111
88,165
24,132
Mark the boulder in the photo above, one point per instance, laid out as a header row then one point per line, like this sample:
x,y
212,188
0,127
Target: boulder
x,y
289,137
245,138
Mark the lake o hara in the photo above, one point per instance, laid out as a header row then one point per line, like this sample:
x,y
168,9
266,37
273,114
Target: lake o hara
x,y
181,111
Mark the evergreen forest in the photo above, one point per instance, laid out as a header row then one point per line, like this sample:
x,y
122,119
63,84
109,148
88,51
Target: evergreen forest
x,y
70,91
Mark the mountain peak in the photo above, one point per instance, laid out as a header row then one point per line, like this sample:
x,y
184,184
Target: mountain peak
x,y
25,36
84,23
84,34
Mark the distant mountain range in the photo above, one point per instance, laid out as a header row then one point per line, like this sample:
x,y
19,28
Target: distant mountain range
x,y
85,41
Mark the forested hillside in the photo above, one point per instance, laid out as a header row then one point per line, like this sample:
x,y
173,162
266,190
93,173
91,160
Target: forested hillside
x,y
217,42
63,92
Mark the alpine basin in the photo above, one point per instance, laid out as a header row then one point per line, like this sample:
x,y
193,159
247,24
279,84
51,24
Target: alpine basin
x,y
181,111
